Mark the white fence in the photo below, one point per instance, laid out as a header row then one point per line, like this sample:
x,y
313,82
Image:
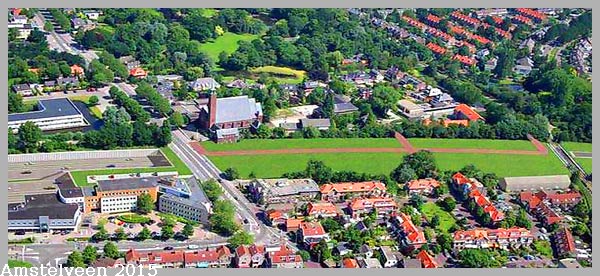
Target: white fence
x,y
80,155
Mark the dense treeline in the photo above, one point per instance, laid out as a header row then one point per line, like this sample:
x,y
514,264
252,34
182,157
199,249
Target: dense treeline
x,y
160,104
133,107
578,27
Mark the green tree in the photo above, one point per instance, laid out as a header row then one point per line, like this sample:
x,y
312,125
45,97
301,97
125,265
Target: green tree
x,y
120,234
212,189
167,232
29,136
89,254
422,162
435,221
241,238
101,235
177,119
522,220
93,100
318,171
111,251
48,27
145,204
403,173
321,251
15,103
188,230
144,234
75,259
448,204
478,258
304,254
231,174
222,220
445,241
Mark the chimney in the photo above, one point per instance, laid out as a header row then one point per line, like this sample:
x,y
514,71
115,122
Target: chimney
x,y
212,109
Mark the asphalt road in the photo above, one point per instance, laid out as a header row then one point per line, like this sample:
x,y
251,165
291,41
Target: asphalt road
x,y
204,169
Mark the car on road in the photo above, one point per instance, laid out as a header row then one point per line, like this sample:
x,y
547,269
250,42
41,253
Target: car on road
x,y
111,166
91,89
30,163
26,172
130,226
245,221
20,232
129,159
168,248
193,246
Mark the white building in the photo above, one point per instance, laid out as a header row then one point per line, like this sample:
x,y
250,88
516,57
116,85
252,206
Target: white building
x,y
52,115
43,213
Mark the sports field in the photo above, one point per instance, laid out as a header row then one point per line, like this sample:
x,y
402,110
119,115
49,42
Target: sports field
x,y
431,209
274,165
574,146
472,144
228,43
263,144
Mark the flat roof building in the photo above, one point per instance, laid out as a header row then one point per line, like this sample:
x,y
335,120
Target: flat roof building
x,y
282,190
535,183
194,206
52,115
43,212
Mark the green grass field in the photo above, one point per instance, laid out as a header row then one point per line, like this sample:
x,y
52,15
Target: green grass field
x,y
18,263
228,43
586,163
472,144
430,209
133,218
274,165
80,177
283,74
262,144
574,146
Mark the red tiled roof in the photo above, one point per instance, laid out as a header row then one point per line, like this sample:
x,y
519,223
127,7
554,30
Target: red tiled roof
x,y
414,22
433,18
293,223
413,234
427,260
284,255
444,36
465,18
491,234
464,59
256,249
353,187
377,202
154,257
468,112
312,229
274,214
420,184
242,250
483,202
497,19
448,122
349,263
481,39
522,19
76,69
460,178
201,256
137,72
436,48
564,240
321,208
531,13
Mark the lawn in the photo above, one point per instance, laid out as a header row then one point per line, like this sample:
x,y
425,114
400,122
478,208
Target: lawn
x,y
96,112
586,163
80,177
133,218
274,165
262,144
228,43
472,144
574,146
430,209
17,263
208,12
284,74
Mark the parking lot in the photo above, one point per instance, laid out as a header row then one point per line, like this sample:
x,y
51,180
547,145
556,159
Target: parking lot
x,y
43,169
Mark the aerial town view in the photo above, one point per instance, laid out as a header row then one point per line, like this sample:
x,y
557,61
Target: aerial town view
x,y
300,138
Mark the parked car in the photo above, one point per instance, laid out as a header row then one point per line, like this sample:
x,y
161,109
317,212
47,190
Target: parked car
x,y
20,232
26,172
193,246
168,248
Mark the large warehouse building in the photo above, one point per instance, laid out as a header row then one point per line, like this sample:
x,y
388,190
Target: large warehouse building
x,y
51,115
535,183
